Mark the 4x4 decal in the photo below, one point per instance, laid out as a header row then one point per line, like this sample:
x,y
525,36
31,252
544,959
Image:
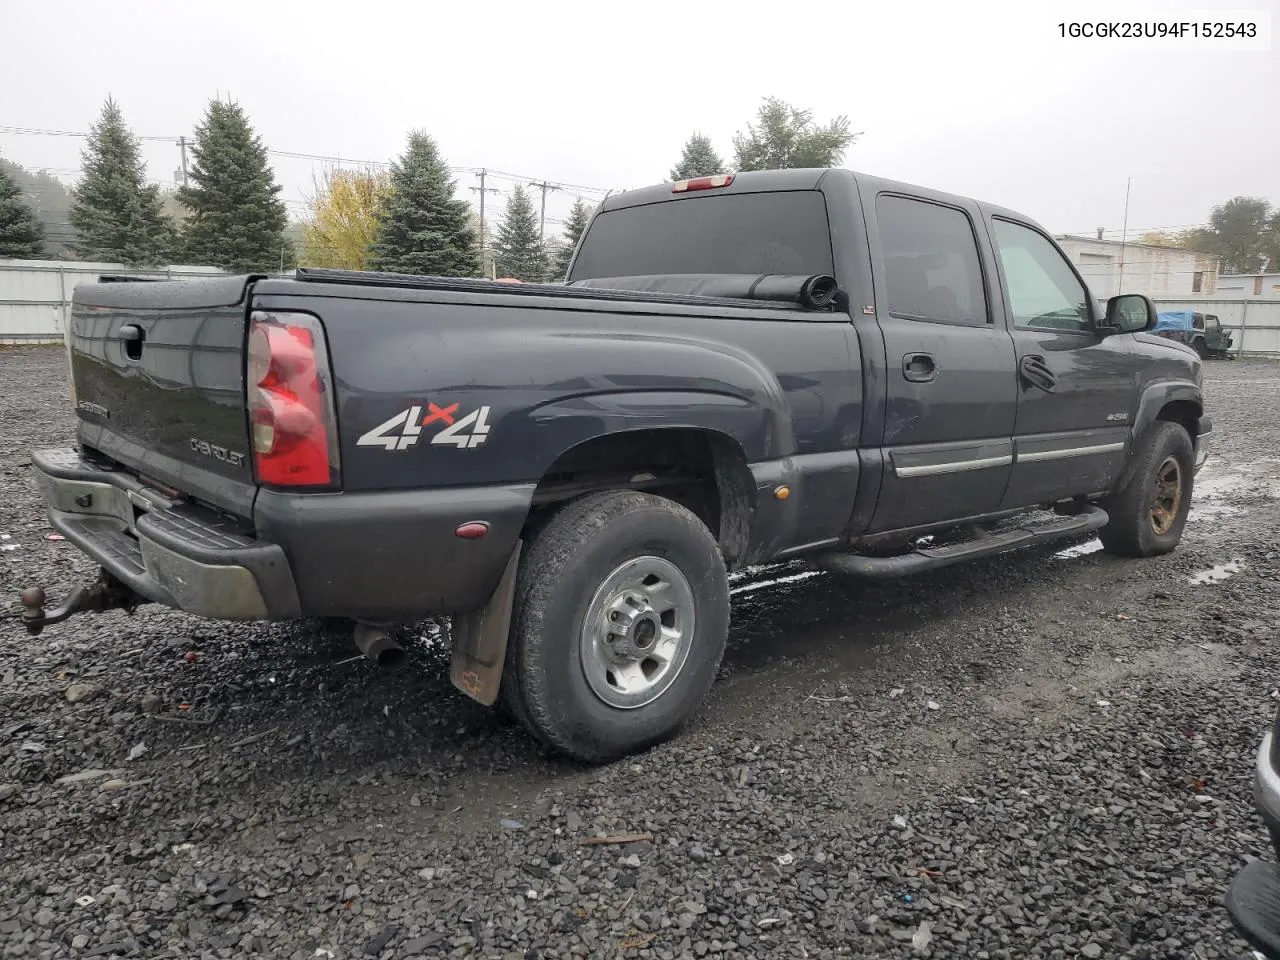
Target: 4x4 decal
x,y
403,430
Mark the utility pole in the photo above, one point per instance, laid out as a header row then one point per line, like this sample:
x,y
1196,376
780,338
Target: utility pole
x,y
482,190
542,221
182,146
1124,235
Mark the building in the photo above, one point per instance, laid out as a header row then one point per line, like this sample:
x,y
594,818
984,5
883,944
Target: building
x,y
1249,286
1110,267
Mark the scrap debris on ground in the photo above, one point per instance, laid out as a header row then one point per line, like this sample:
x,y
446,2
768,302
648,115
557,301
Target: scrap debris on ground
x,y
1047,754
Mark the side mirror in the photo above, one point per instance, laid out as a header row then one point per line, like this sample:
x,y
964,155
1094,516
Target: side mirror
x,y
1131,313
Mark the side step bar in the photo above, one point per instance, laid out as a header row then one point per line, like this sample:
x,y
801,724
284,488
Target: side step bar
x,y
931,558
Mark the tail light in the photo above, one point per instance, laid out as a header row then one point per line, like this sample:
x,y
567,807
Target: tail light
x,y
292,419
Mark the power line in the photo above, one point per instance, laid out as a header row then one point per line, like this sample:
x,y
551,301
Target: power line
x,y
302,155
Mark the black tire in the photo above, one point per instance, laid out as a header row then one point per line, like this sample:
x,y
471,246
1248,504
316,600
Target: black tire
x,y
1142,525
1201,349
565,568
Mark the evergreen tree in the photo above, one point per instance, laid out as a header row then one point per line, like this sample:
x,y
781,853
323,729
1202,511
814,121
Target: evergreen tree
x,y
115,212
237,221
51,202
517,246
579,217
423,229
699,159
21,233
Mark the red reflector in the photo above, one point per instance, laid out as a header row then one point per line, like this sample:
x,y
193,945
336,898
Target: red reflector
x,y
472,531
702,183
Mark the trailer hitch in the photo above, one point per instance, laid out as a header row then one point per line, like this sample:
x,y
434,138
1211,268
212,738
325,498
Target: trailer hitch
x,y
107,593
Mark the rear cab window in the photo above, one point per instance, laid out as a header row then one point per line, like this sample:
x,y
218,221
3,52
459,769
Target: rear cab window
x,y
931,262
780,232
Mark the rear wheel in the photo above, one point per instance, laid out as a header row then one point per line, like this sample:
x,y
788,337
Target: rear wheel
x,y
1201,349
1150,511
620,621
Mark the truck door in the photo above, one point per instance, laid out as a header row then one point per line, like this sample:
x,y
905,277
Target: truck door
x,y
1076,387
951,391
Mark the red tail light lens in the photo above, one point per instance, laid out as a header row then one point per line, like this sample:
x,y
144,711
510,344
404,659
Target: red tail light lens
x,y
292,418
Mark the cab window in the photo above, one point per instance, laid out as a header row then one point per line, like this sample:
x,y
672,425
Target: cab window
x,y
931,262
1043,290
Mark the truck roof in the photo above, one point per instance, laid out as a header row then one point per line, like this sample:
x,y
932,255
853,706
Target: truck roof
x,y
805,178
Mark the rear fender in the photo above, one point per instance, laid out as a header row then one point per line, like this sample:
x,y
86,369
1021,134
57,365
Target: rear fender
x,y
761,432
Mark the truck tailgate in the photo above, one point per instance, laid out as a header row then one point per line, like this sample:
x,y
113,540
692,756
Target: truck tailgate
x,y
158,377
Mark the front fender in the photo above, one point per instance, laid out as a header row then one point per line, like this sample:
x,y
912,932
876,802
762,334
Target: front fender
x,y
1156,396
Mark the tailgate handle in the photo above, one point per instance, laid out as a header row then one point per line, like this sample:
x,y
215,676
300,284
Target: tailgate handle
x,y
133,336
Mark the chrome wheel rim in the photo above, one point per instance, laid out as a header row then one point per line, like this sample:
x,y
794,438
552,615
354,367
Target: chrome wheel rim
x,y
637,632
1167,497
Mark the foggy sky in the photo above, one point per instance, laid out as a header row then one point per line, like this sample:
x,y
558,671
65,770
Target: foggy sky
x,y
981,98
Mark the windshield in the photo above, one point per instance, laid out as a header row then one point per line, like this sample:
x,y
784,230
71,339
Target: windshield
x,y
744,233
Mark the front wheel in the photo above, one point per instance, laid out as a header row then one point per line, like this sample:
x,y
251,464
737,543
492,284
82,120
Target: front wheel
x,y
620,621
1150,511
1201,349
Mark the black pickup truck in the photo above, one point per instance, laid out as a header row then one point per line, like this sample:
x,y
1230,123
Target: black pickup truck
x,y
738,369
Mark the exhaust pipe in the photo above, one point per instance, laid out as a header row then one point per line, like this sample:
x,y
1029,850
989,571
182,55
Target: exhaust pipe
x,y
376,645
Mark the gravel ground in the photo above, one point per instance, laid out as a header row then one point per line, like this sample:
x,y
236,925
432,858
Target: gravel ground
x,y
1042,755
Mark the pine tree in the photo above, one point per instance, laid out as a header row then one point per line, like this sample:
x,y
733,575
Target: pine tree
x,y
115,212
423,228
699,159
237,221
579,217
21,233
517,246
51,202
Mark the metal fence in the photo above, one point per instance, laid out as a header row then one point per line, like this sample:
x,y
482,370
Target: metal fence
x,y
1254,324
35,295
35,302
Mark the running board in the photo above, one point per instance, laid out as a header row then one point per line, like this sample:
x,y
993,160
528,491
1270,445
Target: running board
x,y
931,558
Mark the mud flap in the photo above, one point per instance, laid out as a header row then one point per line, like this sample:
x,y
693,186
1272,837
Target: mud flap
x,y
480,639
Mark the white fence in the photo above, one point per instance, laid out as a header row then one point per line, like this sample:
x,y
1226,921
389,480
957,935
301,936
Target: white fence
x,y
35,302
35,295
1254,324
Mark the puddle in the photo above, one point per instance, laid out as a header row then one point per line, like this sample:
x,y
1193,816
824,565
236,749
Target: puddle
x,y
1080,550
1217,573
747,588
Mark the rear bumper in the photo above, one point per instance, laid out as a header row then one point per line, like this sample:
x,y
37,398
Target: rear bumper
x,y
379,556
176,554
1266,789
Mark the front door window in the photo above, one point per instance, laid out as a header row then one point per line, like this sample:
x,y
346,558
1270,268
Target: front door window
x,y
1044,292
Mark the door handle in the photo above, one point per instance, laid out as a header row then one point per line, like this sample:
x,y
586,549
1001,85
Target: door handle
x,y
919,367
1036,373
133,337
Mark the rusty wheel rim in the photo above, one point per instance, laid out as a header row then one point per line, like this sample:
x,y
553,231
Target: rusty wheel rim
x,y
1167,496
